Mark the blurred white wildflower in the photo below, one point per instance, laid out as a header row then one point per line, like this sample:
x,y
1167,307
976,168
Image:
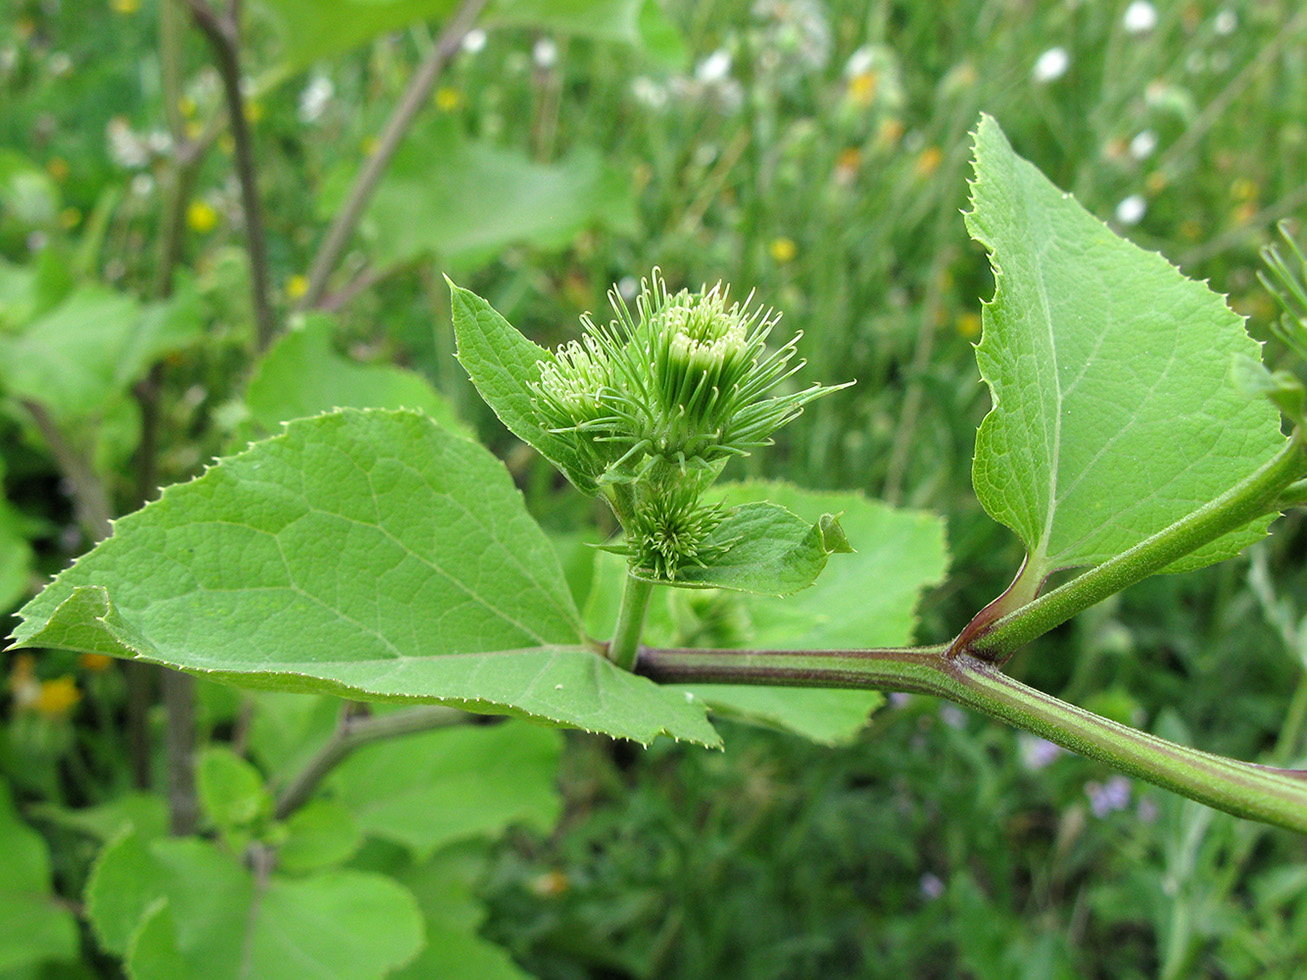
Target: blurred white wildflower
x,y
127,148
545,53
315,98
931,886
1140,17
648,92
715,68
860,62
1051,65
1108,797
628,288
142,185
797,34
1131,210
474,41
1143,144
59,64
1226,21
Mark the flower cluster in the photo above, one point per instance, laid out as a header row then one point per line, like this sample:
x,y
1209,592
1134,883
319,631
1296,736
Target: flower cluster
x,y
654,403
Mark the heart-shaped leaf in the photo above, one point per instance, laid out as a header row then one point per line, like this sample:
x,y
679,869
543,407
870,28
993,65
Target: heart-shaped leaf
x,y
363,553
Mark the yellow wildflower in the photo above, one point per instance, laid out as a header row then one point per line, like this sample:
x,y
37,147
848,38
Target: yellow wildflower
x,y
862,87
96,662
968,324
58,697
783,250
296,286
125,6
448,99
201,217
929,160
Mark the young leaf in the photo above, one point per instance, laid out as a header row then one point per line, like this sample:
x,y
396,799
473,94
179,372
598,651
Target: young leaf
x,y
1115,412
771,551
502,363
363,553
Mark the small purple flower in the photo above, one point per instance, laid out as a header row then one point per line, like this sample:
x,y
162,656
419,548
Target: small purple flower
x,y
1036,753
952,716
1108,797
931,886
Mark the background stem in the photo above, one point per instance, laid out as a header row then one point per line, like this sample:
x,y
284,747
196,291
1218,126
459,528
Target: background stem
x,y
223,34
357,730
1275,796
414,98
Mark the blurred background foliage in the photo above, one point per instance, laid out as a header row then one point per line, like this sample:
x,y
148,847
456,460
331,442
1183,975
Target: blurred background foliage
x,y
818,153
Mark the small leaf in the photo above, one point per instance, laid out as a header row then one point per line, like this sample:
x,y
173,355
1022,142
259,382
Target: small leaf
x,y
307,36
230,789
362,553
771,552
502,363
424,791
319,834
301,375
1115,412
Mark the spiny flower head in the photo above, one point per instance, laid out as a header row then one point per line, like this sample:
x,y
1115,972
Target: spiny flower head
x,y
655,403
686,379
671,531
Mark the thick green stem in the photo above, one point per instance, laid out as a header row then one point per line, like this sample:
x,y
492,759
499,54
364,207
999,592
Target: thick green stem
x,y
1248,500
625,646
1275,796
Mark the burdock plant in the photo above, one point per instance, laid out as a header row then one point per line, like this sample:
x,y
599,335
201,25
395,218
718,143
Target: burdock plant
x,y
645,411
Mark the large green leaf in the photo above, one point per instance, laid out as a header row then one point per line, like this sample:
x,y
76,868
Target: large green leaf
x,y
310,33
364,553
1115,412
182,909
302,375
466,201
867,598
34,925
426,790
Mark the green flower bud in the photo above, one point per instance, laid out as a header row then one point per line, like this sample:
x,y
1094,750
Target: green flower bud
x,y
656,403
670,531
